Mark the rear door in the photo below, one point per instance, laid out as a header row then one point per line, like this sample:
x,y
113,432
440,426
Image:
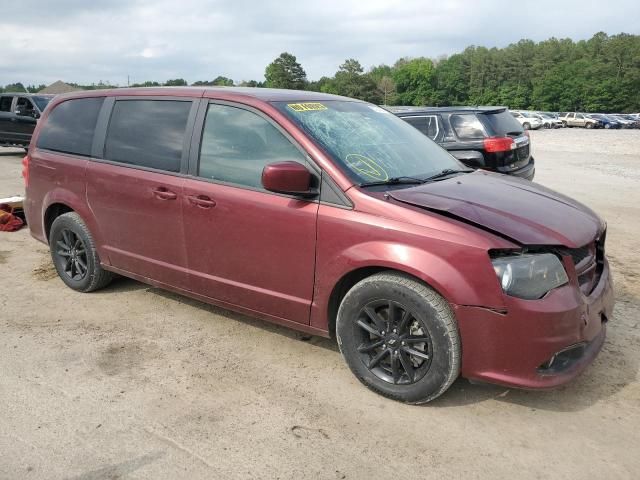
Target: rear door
x,y
135,188
247,246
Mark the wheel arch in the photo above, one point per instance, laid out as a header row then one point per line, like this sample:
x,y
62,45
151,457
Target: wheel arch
x,y
52,212
451,280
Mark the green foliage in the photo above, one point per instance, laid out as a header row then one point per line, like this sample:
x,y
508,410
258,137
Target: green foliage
x,y
601,74
178,82
285,72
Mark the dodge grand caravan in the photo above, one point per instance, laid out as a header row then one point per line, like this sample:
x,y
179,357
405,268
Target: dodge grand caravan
x,y
328,215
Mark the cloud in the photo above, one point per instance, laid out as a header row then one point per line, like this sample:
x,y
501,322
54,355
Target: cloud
x,y
108,40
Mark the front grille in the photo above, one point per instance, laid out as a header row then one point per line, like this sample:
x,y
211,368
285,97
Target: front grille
x,y
588,261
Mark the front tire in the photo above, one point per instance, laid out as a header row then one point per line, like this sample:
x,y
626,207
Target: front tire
x,y
526,126
589,125
74,254
399,337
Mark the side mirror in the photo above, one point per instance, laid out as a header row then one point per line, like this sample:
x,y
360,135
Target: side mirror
x,y
288,177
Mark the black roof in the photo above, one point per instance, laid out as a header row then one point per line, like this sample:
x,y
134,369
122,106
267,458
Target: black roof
x,y
400,110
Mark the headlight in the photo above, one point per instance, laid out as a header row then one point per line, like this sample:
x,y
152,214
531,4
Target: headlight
x,y
529,276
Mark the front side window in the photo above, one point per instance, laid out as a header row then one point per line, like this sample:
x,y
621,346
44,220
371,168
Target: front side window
x,y
5,104
367,142
237,144
148,133
69,128
467,127
25,106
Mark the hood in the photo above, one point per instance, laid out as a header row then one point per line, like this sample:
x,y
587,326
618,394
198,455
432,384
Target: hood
x,y
512,207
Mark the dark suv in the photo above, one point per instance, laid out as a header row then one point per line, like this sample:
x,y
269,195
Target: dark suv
x,y
480,137
328,215
19,113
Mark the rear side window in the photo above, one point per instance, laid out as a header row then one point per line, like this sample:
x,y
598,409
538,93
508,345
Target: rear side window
x,y
5,104
148,133
427,124
467,126
70,126
237,144
501,123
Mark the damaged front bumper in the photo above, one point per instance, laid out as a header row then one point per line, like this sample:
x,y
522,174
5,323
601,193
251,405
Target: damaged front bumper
x,y
536,343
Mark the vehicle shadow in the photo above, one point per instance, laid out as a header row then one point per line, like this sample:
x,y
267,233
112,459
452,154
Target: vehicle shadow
x,y
615,368
122,284
13,152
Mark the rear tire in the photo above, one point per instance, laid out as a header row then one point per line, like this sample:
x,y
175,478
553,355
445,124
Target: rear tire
x,y
74,254
399,337
526,126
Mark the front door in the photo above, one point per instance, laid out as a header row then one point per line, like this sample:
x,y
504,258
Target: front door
x,y
136,192
246,246
25,119
7,133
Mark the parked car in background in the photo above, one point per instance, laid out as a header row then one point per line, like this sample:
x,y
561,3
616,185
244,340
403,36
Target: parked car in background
x,y
331,216
548,120
606,120
627,121
527,120
19,113
577,119
480,137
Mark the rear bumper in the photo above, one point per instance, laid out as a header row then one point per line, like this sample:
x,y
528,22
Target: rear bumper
x,y
537,344
527,172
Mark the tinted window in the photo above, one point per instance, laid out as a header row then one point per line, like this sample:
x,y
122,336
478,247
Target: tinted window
x,y
41,102
501,123
467,126
237,144
5,104
427,124
147,133
69,127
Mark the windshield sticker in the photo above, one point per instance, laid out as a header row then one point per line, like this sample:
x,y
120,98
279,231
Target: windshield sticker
x,y
366,166
306,107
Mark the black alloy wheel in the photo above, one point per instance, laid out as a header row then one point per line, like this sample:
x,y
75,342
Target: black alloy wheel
x,y
393,343
71,255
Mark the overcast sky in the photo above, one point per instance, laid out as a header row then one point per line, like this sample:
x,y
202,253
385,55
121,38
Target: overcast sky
x,y
85,41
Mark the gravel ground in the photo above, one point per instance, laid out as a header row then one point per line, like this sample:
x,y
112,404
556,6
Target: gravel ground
x,y
133,382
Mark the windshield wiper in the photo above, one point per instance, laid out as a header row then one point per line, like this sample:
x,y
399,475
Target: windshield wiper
x,y
394,181
445,173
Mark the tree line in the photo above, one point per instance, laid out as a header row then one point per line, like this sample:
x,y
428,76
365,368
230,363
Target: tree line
x,y
601,74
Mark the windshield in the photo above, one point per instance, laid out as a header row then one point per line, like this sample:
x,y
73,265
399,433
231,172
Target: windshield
x,y
369,143
41,102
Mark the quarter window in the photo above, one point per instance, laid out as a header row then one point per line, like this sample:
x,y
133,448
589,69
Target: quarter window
x,y
70,126
148,133
467,126
427,124
237,144
5,104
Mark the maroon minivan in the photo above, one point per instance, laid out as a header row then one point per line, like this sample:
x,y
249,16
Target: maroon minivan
x,y
328,215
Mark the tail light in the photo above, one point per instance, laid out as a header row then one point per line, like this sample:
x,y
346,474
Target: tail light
x,y
499,144
25,169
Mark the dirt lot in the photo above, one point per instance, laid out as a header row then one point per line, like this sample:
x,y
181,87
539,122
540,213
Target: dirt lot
x,y
133,382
